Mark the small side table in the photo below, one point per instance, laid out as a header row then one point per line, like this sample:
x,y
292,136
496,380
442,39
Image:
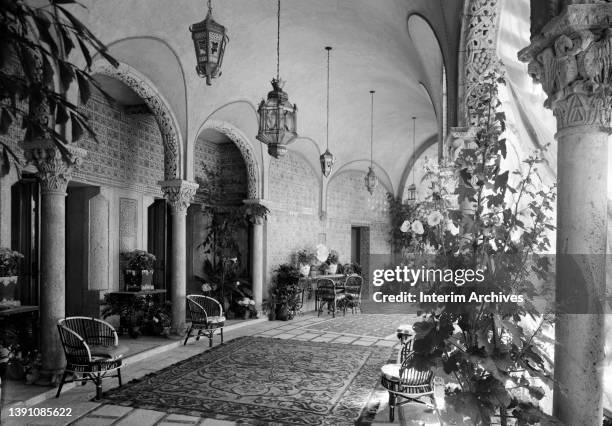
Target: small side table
x,y
25,318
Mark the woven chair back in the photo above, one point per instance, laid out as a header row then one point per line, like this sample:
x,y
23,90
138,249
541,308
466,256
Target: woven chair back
x,y
410,376
326,289
92,330
74,346
200,307
352,286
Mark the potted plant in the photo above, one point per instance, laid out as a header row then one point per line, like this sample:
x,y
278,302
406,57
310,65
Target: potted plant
x,y
285,292
9,269
305,257
139,271
332,261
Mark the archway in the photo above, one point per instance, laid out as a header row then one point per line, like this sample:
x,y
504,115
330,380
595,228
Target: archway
x,y
217,231
155,102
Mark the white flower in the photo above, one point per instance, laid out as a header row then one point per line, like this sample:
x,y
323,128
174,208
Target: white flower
x,y
452,228
322,252
417,227
251,302
515,234
405,226
434,218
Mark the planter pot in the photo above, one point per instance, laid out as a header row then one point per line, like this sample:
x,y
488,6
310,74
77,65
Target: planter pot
x,y
138,280
333,268
304,270
282,313
8,292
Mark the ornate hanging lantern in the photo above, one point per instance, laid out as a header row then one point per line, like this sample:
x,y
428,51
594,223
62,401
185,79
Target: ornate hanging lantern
x,y
209,40
327,159
371,180
277,116
412,189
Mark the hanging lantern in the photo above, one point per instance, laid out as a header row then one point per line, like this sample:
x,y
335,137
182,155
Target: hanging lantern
x,y
277,116
371,180
327,159
209,40
412,189
277,120
411,193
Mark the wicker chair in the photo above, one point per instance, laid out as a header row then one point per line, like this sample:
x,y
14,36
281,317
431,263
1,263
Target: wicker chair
x,y
352,293
407,383
206,315
92,351
328,294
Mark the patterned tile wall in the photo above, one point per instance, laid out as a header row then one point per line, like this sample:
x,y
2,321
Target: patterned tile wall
x,y
226,159
129,152
294,222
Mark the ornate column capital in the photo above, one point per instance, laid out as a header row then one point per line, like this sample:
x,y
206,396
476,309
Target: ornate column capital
x,y
572,58
258,219
54,166
179,193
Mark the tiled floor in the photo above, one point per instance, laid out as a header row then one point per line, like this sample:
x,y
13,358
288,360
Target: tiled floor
x,y
88,413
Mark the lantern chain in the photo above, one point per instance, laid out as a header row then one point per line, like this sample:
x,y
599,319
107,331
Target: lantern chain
x,y
278,42
371,129
328,48
413,148
210,6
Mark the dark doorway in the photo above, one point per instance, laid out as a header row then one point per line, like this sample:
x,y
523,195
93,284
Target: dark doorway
x,y
159,238
355,244
25,220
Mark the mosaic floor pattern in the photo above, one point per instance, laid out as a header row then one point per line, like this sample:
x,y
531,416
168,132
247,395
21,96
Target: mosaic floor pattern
x,y
265,379
372,325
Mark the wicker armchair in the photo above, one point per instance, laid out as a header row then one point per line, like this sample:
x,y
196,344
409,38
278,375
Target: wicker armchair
x,y
328,294
352,293
405,382
92,351
206,315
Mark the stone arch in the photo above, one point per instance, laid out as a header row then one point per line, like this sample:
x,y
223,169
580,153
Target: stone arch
x,y
168,125
245,148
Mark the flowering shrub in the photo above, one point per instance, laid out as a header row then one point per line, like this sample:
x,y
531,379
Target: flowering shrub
x,y
140,260
499,224
9,262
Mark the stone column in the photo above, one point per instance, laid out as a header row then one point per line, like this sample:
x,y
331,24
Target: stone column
x,y
257,257
179,194
571,58
54,172
257,263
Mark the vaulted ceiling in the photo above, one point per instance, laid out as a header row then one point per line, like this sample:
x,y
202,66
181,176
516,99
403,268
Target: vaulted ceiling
x,y
396,47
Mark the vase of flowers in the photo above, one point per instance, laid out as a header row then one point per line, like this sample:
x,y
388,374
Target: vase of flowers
x,y
332,261
138,274
10,262
305,258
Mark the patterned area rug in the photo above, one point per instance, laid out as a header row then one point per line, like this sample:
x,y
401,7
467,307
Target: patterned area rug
x,y
371,325
265,380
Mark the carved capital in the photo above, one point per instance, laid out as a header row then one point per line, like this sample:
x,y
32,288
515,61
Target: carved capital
x,y
572,59
179,193
54,167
